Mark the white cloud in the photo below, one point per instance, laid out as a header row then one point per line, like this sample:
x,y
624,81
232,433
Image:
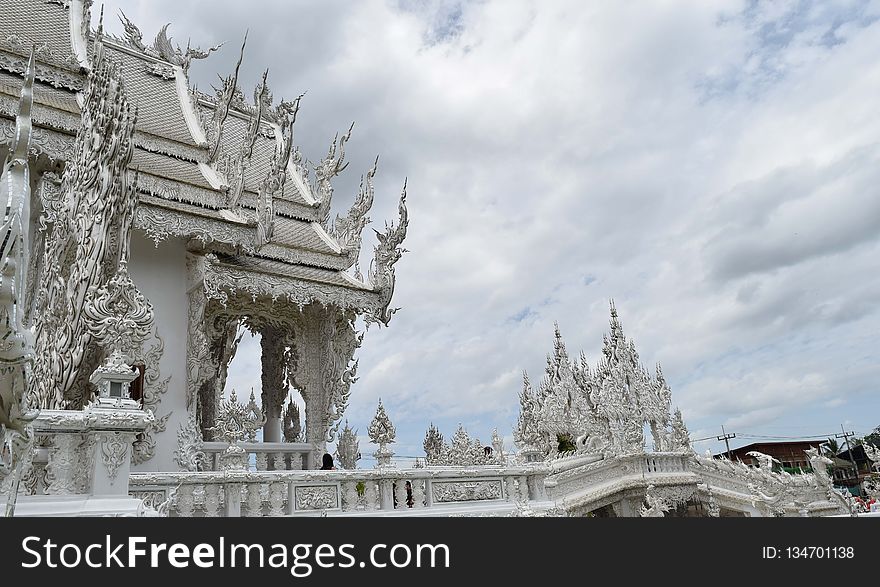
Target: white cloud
x,y
709,165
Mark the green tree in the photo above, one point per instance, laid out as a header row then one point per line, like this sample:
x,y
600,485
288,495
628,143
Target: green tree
x,y
830,447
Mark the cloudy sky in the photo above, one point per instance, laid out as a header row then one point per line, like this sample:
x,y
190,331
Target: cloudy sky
x,y
712,166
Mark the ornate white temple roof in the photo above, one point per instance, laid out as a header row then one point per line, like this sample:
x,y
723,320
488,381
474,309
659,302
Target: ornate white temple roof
x,y
186,174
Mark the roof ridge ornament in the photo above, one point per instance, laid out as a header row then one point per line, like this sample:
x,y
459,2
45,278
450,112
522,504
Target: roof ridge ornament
x,y
163,47
330,167
276,177
225,97
348,229
133,36
385,255
246,150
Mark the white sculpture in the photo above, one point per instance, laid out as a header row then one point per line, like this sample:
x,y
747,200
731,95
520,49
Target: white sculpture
x,y
238,422
86,299
498,456
385,255
347,450
16,339
433,445
292,426
820,463
656,506
603,409
765,461
381,432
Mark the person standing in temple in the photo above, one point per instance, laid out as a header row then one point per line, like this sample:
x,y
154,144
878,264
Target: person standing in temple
x,y
327,463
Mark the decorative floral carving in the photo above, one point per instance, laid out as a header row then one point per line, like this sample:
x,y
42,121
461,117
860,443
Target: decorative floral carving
x,y
323,497
277,492
222,280
114,449
200,367
189,454
239,422
118,316
64,460
656,505
161,70
154,388
466,491
59,75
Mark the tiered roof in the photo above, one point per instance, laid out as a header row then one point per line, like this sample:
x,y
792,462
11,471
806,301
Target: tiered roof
x,y
185,191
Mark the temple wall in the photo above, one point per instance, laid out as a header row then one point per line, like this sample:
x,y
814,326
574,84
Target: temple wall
x,y
160,273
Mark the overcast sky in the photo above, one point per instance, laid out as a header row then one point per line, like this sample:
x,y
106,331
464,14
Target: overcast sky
x,y
712,166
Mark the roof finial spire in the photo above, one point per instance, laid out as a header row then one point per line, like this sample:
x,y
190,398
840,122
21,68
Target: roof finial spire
x,y
100,32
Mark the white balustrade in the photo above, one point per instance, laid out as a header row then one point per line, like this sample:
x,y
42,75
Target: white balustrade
x,y
364,492
265,456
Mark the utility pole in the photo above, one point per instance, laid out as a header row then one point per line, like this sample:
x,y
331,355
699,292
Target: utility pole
x,y
725,437
845,436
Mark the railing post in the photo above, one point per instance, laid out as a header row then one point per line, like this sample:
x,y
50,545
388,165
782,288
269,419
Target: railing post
x,y
262,460
371,496
212,500
232,506
349,496
185,501
400,494
386,498
418,489
254,501
276,499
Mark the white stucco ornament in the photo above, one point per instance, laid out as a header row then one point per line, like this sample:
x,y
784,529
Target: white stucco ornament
x,y
113,379
382,432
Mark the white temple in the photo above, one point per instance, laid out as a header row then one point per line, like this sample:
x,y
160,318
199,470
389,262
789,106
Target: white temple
x,y
137,242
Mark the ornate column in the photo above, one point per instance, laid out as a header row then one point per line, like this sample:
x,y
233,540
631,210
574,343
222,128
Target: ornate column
x,y
198,355
324,341
274,381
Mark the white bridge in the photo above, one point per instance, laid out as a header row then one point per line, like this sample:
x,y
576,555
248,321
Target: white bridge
x,y
85,470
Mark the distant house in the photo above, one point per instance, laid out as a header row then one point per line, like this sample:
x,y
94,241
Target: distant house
x,y
843,473
865,470
790,453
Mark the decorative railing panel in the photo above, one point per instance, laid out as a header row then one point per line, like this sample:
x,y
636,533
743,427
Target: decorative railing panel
x,y
385,491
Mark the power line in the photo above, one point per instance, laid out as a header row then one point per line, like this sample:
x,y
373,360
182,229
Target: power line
x,y
826,436
845,436
726,437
